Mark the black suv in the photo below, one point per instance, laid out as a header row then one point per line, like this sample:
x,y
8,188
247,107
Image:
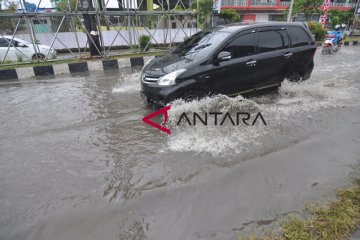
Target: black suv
x,y
231,59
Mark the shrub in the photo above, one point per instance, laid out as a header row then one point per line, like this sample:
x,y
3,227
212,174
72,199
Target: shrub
x,y
318,30
144,40
229,15
19,57
6,62
204,12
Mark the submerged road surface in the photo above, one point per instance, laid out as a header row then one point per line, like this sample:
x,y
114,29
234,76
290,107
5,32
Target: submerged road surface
x,y
77,162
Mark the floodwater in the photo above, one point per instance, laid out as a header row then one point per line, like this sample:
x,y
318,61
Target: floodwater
x,y
77,162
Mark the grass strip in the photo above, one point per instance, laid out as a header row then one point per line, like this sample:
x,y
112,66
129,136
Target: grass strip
x,y
336,220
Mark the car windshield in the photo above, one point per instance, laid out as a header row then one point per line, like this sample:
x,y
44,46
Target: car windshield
x,y
201,43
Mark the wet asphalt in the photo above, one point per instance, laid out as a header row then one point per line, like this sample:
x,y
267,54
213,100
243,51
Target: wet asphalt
x,y
77,162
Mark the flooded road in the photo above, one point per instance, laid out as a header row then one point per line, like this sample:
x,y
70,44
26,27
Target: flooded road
x,y
77,162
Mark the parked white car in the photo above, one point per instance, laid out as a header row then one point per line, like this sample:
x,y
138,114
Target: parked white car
x,y
21,49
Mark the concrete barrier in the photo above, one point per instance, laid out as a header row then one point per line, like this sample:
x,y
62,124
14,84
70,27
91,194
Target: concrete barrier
x,y
70,68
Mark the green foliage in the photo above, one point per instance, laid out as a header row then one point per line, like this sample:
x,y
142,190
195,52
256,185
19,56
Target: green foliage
x,y
5,62
63,5
340,17
144,40
19,57
318,30
335,20
308,7
204,11
178,8
229,15
6,24
337,220
180,18
296,229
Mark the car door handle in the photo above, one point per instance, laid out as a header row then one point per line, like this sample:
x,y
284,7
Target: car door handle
x,y
251,63
287,55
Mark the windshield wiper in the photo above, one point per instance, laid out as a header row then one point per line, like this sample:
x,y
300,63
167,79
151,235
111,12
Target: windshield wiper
x,y
184,48
202,46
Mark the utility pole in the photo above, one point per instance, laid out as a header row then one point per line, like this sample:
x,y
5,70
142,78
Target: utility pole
x,y
357,9
290,11
90,25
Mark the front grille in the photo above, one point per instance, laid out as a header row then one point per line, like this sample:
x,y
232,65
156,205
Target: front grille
x,y
151,79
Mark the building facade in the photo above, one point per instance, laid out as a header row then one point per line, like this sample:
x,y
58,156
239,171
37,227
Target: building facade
x,y
273,10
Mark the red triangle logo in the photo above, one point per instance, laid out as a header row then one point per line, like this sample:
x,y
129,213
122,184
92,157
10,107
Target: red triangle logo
x,y
161,127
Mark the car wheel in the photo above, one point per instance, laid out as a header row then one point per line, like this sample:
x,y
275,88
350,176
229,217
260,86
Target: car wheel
x,y
294,77
38,56
193,95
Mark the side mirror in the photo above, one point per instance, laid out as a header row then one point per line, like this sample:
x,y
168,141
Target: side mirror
x,y
21,45
224,56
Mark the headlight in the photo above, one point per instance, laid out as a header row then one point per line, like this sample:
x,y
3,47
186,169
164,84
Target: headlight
x,y
169,79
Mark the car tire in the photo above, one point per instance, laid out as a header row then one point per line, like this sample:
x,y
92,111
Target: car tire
x,y
193,95
294,77
38,56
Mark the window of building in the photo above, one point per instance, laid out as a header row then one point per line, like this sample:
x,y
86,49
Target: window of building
x,y
277,17
41,21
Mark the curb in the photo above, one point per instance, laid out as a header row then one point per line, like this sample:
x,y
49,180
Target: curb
x,y
70,68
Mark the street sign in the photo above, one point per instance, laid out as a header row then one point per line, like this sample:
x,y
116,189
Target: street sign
x,y
326,9
217,6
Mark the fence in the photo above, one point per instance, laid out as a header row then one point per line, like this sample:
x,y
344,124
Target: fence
x,y
65,28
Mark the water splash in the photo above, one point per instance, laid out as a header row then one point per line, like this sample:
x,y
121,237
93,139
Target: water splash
x,y
129,85
293,103
213,139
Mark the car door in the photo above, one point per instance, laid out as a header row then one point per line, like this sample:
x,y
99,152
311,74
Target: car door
x,y
303,49
237,74
13,51
273,56
24,49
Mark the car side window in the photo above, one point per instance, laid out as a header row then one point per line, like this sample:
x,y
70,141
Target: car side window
x,y
3,43
299,37
242,46
272,40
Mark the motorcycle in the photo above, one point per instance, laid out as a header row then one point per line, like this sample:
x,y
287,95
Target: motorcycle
x,y
329,45
334,40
